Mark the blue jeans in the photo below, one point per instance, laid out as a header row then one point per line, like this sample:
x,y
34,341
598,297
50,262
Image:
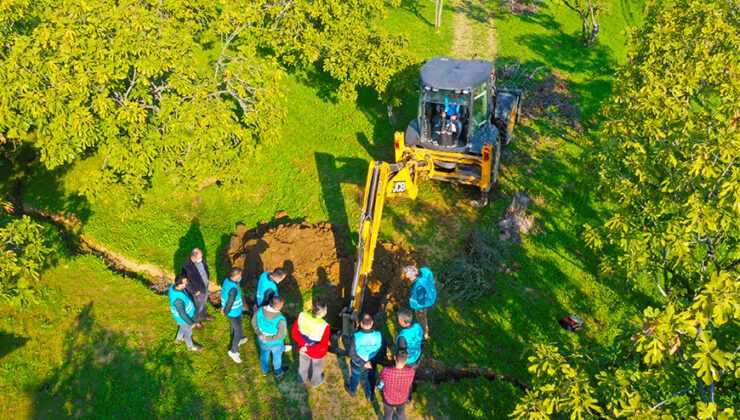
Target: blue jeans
x,y
357,373
277,350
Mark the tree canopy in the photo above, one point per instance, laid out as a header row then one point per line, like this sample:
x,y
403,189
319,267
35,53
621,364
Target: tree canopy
x,y
23,252
667,158
186,87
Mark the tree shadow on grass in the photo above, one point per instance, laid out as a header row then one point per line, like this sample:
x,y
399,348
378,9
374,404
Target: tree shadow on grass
x,y
101,376
412,6
9,342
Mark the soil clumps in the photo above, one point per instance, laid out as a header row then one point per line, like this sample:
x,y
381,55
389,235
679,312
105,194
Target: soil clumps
x,y
319,267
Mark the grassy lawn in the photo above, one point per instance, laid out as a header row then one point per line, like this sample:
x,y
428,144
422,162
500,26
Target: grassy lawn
x,y
102,345
80,354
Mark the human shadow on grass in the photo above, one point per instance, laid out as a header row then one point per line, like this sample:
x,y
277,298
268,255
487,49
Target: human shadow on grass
x,y
101,376
223,263
192,239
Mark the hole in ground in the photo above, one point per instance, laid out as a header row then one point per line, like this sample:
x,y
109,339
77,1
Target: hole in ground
x,y
319,267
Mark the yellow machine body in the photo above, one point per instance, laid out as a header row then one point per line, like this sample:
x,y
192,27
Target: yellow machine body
x,y
486,161
383,180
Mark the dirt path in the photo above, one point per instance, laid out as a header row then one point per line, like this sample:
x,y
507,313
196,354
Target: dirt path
x,y
475,33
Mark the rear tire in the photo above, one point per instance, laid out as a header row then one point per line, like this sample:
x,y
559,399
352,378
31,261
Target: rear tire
x,y
483,202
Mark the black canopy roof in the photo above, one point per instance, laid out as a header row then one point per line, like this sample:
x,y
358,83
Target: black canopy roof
x,y
451,74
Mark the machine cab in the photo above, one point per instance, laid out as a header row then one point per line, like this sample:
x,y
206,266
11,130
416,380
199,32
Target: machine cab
x,y
455,106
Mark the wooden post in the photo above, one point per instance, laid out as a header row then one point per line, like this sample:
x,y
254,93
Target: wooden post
x,y
438,4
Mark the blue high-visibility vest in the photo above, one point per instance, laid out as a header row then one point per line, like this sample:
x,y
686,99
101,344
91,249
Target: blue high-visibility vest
x,y
367,345
270,326
236,307
174,295
264,284
413,336
451,108
423,292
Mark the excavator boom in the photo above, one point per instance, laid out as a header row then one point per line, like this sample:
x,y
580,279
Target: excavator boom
x,y
383,180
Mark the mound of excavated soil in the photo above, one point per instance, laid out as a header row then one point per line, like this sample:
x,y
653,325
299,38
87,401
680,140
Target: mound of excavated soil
x,y
318,267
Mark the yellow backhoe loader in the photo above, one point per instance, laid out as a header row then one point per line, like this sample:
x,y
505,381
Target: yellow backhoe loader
x,y
463,121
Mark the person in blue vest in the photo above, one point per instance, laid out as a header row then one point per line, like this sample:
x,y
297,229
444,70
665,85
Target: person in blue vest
x,y
267,286
365,348
423,293
183,311
410,337
409,341
231,306
271,327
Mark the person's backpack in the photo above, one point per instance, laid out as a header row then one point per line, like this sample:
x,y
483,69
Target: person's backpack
x,y
571,322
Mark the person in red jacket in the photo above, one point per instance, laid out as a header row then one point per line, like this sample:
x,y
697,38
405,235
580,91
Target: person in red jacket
x,y
311,334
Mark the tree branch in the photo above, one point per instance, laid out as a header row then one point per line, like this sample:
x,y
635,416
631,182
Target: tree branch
x,y
226,43
679,392
132,81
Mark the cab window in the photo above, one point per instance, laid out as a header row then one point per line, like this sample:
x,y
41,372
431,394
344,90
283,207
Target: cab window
x,y
480,105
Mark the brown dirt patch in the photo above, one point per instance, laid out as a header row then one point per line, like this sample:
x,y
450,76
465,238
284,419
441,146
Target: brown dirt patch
x,y
522,7
319,267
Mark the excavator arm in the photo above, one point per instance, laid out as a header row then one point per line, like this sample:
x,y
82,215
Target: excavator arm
x,y
383,180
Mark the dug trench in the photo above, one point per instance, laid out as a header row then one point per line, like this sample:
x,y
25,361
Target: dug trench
x,y
319,267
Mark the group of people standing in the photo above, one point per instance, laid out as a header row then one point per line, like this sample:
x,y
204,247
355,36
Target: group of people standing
x,y
311,333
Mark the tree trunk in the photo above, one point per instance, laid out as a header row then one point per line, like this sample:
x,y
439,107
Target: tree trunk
x,y
438,4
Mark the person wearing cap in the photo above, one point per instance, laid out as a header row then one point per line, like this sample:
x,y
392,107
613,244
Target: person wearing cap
x,y
423,293
231,306
311,334
365,348
183,310
269,325
267,286
395,384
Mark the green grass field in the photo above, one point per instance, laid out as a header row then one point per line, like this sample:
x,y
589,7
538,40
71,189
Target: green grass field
x,y
101,345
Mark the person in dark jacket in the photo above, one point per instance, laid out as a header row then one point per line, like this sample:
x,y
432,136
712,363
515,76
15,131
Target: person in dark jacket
x,y
196,270
232,306
182,309
365,348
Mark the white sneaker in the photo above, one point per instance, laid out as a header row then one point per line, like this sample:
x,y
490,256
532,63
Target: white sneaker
x,y
288,348
235,357
242,341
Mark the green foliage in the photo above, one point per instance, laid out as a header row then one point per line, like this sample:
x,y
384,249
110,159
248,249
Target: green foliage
x,y
177,87
669,150
336,34
667,159
23,251
586,10
136,80
679,351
